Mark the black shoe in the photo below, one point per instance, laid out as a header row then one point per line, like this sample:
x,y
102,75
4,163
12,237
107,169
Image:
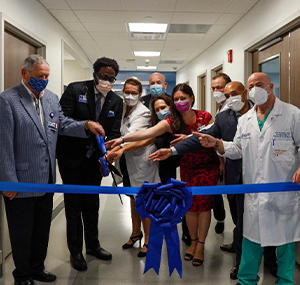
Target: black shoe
x,y
44,276
100,253
272,266
227,247
141,253
78,262
219,228
134,240
25,282
234,272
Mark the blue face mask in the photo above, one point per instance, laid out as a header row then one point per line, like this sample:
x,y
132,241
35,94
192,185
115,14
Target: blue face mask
x,y
164,114
37,84
156,90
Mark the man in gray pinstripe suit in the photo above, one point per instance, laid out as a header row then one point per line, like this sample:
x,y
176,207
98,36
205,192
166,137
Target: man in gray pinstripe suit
x,y
31,118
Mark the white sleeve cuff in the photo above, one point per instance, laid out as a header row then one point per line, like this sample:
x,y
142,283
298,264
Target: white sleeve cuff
x,y
174,151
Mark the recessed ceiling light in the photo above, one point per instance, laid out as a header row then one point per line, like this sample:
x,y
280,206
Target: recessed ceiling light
x,y
147,27
147,53
146,67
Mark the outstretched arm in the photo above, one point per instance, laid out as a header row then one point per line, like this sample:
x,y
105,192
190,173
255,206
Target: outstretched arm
x,y
159,129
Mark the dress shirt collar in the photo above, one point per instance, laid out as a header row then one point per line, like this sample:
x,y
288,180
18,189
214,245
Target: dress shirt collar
x,y
30,92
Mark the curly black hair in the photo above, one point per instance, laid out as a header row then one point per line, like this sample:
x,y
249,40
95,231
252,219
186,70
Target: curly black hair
x,y
106,62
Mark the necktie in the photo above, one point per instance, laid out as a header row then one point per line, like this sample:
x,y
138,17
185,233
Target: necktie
x,y
37,106
98,105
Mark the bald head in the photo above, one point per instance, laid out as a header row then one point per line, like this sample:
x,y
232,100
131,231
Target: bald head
x,y
234,88
155,80
259,79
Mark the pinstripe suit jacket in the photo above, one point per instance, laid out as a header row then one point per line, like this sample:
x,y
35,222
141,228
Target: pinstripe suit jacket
x,y
27,149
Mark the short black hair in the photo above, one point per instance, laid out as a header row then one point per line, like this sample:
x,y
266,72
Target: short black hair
x,y
226,78
106,62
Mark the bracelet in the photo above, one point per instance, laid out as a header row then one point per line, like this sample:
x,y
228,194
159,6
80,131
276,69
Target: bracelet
x,y
86,125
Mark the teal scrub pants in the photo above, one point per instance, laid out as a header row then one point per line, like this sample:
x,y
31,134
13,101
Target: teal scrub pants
x,y
251,258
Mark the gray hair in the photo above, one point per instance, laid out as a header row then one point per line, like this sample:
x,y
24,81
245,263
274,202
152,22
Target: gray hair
x,y
30,62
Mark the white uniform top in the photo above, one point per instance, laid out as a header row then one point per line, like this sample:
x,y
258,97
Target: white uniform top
x,y
138,166
270,155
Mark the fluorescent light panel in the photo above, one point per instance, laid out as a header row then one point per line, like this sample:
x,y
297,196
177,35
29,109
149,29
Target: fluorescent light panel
x,y
146,67
147,27
147,53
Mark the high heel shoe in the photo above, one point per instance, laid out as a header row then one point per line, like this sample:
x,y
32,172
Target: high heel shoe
x,y
141,253
189,256
134,240
197,261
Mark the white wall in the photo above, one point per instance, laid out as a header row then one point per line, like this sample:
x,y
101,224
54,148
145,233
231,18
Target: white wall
x,y
33,16
73,71
263,19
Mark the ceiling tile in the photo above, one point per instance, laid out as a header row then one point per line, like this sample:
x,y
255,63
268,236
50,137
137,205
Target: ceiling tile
x,y
90,43
64,16
55,4
74,27
182,45
105,36
203,6
174,55
114,43
152,60
147,45
148,17
168,67
229,19
185,37
100,16
106,27
146,5
218,29
241,6
105,5
195,18
81,36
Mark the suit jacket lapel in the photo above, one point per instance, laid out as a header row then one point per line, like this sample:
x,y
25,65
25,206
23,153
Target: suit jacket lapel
x,y
46,106
27,103
91,99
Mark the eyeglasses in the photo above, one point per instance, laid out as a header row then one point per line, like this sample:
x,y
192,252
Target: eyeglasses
x,y
106,77
131,93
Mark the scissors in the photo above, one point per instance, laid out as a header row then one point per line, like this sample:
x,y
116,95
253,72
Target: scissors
x,y
106,165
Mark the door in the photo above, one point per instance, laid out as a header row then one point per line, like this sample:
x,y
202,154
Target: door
x,y
201,92
214,105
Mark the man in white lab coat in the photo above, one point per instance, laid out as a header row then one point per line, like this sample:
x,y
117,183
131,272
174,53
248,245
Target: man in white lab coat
x,y
268,140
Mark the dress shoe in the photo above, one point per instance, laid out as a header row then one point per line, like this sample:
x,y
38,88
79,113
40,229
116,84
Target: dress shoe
x,y
234,272
227,248
25,282
219,228
133,239
100,253
272,266
142,253
44,276
78,262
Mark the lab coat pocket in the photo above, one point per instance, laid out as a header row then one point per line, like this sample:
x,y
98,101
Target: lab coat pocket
x,y
285,202
281,150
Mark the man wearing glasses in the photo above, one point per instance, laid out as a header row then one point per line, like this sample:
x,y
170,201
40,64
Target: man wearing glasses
x,y
78,158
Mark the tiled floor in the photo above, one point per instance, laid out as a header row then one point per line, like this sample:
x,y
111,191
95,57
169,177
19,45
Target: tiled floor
x,y
125,267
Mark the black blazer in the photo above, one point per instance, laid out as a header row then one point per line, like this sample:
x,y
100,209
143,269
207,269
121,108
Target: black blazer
x,y
224,128
70,150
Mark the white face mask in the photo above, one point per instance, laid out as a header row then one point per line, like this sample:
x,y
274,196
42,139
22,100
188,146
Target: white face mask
x,y
104,86
131,100
219,96
235,103
259,95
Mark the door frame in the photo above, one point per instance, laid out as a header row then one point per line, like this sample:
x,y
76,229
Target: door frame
x,y
199,90
213,72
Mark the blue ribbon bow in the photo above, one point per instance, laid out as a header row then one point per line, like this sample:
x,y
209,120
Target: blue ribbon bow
x,y
164,205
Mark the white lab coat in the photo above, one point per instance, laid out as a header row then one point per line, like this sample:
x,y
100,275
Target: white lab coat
x,y
138,167
270,155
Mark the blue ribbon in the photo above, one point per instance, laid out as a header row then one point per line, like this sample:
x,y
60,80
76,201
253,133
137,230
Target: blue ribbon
x,y
203,190
164,205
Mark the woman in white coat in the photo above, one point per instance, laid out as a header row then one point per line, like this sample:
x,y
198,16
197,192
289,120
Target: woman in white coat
x,y
134,165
